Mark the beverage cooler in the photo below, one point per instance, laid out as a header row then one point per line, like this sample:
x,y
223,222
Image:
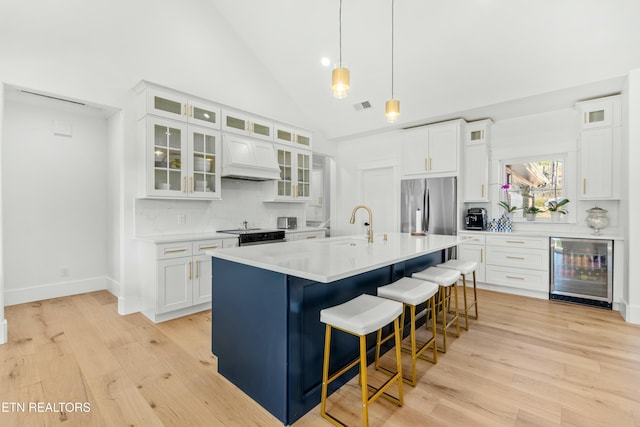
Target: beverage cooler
x,y
582,271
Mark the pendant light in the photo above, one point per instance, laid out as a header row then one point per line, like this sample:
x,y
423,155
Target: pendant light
x,y
392,106
340,75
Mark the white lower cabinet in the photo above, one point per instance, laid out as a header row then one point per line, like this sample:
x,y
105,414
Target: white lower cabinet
x,y
304,235
177,277
518,262
473,249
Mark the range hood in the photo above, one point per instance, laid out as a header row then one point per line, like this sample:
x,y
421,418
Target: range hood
x,y
245,158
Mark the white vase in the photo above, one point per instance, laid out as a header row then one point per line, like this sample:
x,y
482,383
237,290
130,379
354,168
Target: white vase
x,y
531,217
555,216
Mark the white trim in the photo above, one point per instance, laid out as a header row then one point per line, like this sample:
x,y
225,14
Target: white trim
x,y
630,313
4,335
54,290
163,317
128,305
113,286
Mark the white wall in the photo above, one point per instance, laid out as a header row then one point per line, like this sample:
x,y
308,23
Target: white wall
x,y
3,321
55,199
632,253
352,156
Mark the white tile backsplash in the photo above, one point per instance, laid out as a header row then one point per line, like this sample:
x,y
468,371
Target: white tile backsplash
x,y
241,200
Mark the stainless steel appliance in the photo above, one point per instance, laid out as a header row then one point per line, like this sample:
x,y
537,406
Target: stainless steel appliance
x,y
287,222
581,271
476,219
256,236
436,198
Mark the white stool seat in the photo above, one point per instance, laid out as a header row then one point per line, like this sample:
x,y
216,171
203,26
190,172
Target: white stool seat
x,y
362,315
464,267
441,276
409,291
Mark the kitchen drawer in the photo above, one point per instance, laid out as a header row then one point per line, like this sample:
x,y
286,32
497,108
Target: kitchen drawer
x,y
199,246
173,250
518,242
534,280
474,239
537,259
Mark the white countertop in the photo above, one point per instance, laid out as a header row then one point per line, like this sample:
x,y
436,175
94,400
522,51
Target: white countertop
x,y
166,238
545,233
328,260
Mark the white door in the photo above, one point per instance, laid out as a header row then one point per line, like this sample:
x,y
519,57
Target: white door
x,y
379,191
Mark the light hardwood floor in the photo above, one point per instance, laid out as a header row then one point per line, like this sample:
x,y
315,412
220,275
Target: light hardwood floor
x,y
525,362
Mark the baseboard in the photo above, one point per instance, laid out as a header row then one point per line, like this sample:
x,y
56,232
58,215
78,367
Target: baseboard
x,y
54,290
630,313
514,291
4,336
113,287
128,305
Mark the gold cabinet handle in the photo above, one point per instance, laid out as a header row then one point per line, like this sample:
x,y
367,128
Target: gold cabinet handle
x,y
483,191
430,164
184,184
190,110
208,247
584,186
172,251
585,117
190,270
515,241
481,255
514,257
515,277
184,109
191,183
197,269
311,237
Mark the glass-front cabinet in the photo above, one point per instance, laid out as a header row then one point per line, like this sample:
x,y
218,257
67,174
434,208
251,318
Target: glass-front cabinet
x,y
177,107
183,161
295,137
295,175
247,125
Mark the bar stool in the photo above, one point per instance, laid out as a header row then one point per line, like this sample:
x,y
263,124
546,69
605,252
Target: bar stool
x,y
465,267
411,292
361,316
446,280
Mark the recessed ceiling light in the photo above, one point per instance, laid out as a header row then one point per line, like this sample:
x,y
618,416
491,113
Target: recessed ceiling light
x,y
325,61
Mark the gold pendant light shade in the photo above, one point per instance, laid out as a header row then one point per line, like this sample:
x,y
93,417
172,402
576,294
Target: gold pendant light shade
x,y
340,82
392,110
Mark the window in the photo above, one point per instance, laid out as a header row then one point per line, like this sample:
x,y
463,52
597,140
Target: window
x,y
535,182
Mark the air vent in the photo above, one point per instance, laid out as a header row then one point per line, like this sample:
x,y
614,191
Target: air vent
x,y
362,105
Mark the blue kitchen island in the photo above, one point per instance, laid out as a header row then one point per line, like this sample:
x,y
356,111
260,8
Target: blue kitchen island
x,y
266,302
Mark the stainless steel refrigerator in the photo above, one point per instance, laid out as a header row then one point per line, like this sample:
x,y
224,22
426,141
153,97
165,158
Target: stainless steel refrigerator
x,y
437,200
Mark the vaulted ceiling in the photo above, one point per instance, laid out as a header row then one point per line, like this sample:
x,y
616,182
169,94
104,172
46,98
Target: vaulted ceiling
x,y
453,58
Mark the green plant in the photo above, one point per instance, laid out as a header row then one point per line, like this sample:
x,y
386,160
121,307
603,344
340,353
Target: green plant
x,y
556,206
532,210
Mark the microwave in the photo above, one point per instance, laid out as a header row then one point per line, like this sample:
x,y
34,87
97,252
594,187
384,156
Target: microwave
x,y
287,222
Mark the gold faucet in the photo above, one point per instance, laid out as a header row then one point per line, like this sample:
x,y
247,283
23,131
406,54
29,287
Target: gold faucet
x,y
353,220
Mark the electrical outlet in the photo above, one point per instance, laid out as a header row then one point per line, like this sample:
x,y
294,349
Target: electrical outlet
x,y
64,271
182,219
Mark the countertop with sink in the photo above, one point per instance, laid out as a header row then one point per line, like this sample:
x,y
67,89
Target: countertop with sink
x,y
335,258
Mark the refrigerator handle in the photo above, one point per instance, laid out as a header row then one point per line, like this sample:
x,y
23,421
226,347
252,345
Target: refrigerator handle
x,y
426,211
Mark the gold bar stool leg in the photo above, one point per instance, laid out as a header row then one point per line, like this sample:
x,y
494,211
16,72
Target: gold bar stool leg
x,y
360,317
411,293
466,307
464,267
475,295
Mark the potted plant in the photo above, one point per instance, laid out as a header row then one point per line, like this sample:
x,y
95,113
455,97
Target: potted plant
x,y
531,212
556,209
506,205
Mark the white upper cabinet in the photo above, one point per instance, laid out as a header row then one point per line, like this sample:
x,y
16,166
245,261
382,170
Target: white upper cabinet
x,y
180,160
602,112
246,125
600,148
173,105
295,137
431,149
475,173
294,184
